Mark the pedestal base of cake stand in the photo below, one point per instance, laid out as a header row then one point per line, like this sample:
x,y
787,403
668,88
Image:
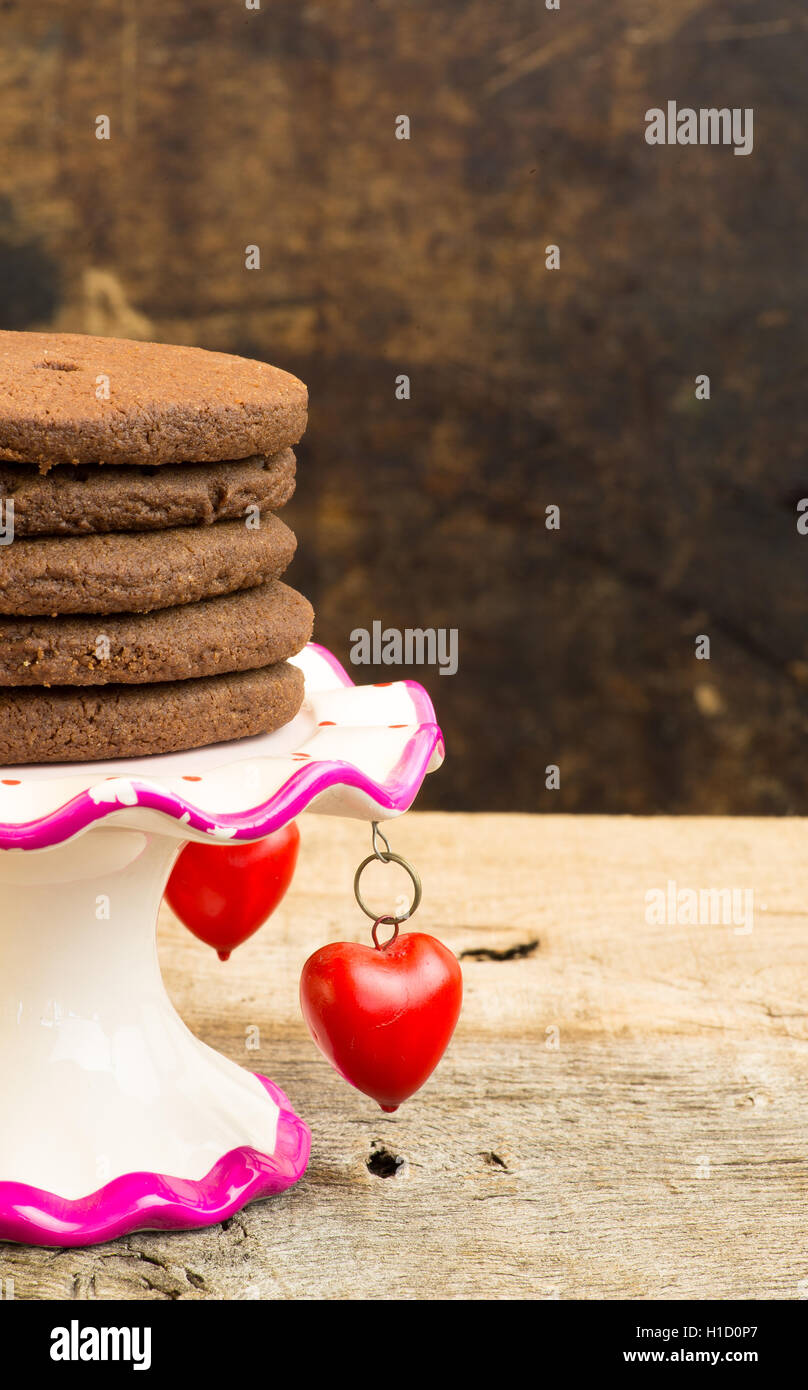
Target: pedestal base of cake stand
x,y
113,1116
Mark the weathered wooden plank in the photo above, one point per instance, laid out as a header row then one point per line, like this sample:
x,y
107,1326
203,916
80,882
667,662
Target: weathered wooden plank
x,y
658,1151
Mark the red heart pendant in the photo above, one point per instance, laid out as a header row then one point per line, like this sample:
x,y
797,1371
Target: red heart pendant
x,y
224,892
383,1017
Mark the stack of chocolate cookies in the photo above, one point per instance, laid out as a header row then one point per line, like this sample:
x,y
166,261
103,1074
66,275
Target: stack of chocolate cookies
x,y
141,606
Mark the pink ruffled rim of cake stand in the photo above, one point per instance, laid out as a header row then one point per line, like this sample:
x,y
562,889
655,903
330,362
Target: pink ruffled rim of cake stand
x,y
396,794
155,1202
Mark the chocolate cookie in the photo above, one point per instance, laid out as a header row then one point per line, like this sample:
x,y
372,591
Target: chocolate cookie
x,y
77,501
72,398
134,573
65,725
236,632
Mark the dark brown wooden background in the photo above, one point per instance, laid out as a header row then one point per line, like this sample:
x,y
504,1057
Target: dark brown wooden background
x,y
530,387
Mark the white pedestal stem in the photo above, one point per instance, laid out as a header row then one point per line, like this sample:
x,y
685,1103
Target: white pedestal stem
x,y
98,1074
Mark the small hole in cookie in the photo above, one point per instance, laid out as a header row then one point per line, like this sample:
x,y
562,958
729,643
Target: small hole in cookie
x,y
57,366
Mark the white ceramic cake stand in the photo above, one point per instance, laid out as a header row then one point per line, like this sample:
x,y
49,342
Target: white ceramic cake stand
x,y
113,1116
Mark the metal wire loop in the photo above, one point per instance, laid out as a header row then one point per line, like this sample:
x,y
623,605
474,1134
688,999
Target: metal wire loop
x,y
377,835
384,922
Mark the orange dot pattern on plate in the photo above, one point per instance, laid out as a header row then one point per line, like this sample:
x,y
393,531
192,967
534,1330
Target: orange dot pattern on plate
x,y
323,722
11,782
186,778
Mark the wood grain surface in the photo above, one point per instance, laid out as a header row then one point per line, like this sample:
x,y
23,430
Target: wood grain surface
x,y
657,1151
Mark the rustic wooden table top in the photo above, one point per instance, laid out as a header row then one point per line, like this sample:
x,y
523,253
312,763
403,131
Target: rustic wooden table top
x,y
622,1111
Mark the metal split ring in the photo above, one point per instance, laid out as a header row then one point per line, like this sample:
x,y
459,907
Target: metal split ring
x,y
388,857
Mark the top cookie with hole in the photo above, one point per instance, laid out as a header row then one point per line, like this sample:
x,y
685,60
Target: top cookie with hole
x,y
74,399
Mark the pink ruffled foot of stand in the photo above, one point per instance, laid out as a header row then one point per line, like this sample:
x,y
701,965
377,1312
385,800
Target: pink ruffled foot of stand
x,y
157,1202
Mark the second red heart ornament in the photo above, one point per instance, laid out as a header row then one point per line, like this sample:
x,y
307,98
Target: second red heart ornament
x,y
383,1016
222,893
